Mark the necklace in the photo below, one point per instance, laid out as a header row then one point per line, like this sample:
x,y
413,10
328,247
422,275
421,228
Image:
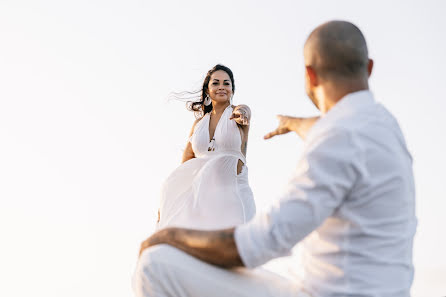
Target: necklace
x,y
211,146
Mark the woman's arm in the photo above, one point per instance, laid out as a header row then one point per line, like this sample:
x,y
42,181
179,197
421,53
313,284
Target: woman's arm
x,y
188,151
242,116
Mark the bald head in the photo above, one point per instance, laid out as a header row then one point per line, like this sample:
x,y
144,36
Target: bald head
x,y
337,50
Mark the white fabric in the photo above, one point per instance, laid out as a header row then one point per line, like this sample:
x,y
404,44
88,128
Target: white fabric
x,y
164,271
352,202
205,192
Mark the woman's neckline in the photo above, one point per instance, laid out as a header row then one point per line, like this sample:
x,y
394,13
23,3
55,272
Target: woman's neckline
x,y
218,123
223,110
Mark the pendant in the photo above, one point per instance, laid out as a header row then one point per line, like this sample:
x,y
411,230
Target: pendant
x,y
211,146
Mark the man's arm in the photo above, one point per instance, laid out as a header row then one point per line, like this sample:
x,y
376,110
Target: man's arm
x,y
323,178
214,247
287,124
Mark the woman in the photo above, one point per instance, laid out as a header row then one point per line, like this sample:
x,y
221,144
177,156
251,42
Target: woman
x,y
210,189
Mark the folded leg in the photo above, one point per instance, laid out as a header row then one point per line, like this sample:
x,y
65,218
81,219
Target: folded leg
x,y
168,272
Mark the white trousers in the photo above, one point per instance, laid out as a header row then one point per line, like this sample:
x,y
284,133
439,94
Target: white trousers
x,y
164,271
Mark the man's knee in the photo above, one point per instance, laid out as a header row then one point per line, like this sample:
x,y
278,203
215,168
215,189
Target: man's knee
x,y
154,258
150,271
154,252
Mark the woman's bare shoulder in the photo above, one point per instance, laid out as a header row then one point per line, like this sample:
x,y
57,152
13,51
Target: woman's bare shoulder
x,y
196,122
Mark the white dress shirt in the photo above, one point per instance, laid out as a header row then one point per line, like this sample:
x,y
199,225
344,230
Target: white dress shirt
x,y
350,202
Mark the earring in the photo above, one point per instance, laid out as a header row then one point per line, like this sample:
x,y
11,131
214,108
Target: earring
x,y
230,100
207,101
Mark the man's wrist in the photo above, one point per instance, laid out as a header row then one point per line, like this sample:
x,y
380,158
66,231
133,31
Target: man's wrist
x,y
293,124
161,237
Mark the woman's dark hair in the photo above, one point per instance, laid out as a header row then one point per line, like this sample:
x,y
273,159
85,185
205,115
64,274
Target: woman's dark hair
x,y
198,106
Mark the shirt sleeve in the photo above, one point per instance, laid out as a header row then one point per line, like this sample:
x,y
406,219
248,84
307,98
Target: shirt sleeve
x,y
323,178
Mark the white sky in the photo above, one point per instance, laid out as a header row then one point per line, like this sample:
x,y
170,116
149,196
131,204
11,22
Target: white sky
x,y
87,135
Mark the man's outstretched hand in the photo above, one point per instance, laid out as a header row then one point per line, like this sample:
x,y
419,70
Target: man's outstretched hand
x,y
284,127
287,124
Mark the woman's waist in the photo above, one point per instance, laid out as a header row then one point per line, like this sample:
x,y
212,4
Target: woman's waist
x,y
222,153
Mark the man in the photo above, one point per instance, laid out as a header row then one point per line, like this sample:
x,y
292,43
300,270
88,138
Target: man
x,y
350,201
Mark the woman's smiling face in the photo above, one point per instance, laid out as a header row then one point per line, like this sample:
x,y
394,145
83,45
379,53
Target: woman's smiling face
x,y
220,86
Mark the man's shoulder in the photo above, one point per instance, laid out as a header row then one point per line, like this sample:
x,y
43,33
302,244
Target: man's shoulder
x,y
335,138
374,123
368,120
374,128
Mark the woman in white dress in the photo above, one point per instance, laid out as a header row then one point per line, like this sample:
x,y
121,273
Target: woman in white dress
x,y
210,189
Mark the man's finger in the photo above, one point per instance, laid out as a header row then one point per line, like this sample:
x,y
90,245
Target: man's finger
x,y
278,131
271,134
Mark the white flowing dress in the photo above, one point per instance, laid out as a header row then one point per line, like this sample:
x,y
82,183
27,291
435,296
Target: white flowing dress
x,y
206,192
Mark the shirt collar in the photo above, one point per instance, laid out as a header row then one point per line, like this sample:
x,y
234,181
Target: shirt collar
x,y
348,104
351,102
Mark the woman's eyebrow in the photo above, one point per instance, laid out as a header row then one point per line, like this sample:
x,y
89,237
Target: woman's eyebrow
x,y
216,79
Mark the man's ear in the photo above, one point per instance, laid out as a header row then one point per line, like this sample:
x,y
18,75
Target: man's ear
x,y
370,67
311,76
